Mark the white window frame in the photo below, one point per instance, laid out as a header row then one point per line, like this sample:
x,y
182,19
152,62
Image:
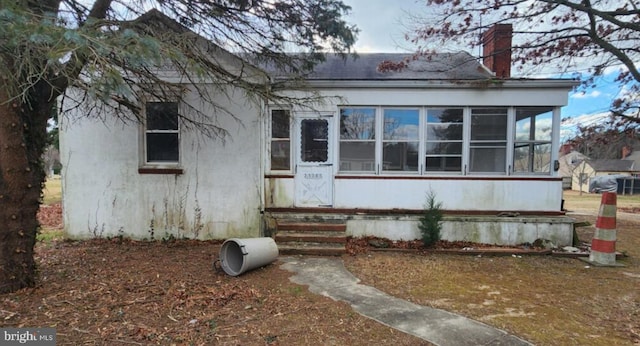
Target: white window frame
x,y
534,142
144,157
374,166
271,139
380,124
425,139
500,143
509,141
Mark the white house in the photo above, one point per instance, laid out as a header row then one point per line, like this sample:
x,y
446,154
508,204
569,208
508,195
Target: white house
x,y
366,156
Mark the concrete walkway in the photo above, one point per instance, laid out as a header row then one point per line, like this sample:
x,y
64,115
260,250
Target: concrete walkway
x,y
329,277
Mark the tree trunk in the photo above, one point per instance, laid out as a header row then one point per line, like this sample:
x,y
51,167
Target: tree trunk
x,y
22,141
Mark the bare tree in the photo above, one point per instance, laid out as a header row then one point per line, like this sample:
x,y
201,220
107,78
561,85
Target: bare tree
x,y
605,140
114,51
561,36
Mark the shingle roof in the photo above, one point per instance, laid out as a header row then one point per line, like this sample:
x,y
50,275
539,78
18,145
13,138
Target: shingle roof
x,y
443,66
612,165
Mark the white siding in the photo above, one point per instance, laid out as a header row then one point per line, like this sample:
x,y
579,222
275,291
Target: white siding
x,y
217,196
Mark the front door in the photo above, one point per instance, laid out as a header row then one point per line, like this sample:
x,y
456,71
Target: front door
x,y
314,162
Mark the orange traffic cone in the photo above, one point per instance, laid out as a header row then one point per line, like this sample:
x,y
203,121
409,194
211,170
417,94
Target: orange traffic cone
x,y
603,244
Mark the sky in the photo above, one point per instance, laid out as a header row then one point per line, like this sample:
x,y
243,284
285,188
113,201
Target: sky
x,y
384,23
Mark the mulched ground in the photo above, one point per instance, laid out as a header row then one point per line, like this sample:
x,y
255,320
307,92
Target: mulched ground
x,y
50,216
122,292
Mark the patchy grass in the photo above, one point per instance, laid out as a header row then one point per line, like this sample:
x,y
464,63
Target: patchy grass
x,y
50,213
49,235
52,192
546,300
574,201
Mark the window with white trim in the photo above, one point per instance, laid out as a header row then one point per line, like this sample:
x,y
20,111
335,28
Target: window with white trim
x,y
443,140
488,140
357,139
532,142
400,139
446,140
280,140
162,133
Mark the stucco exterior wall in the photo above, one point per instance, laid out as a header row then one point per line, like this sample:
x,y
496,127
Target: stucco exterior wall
x,y
217,196
476,229
455,194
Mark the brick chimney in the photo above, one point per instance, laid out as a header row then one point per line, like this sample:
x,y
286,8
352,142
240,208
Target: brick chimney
x,y
626,151
496,49
565,149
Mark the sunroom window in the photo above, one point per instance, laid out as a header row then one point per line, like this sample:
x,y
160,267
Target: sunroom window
x,y
488,142
532,142
357,139
400,141
444,140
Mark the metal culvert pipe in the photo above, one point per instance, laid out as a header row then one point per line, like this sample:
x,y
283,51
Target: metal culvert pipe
x,y
240,255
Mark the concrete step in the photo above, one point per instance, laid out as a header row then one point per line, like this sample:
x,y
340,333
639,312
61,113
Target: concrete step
x,y
311,226
311,249
311,237
315,237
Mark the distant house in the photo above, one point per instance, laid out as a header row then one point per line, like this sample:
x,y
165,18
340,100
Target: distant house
x,y
632,156
589,169
569,165
485,144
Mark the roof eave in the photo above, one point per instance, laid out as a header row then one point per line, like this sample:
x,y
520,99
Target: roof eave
x,y
449,84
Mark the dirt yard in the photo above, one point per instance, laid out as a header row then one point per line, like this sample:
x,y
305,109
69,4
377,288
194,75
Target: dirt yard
x,y
120,292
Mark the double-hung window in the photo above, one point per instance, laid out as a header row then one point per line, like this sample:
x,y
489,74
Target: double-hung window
x,y
162,133
532,142
443,140
488,140
357,139
400,139
280,140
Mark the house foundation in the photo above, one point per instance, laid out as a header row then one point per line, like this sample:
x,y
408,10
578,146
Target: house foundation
x,y
487,229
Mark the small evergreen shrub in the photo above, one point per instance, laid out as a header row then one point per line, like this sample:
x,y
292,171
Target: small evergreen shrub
x,y
430,221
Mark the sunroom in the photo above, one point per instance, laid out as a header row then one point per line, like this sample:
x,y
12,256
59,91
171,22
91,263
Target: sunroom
x,y
376,150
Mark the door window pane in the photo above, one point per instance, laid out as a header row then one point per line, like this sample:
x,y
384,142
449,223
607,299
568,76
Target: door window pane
x,y
314,141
